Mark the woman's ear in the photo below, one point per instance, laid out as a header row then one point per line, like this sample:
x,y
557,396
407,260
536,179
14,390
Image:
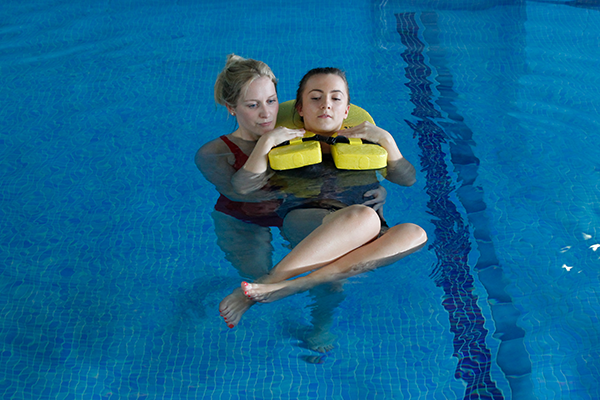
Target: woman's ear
x,y
230,110
299,110
347,111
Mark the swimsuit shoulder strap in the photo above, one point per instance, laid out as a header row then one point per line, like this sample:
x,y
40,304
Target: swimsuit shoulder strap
x,y
240,156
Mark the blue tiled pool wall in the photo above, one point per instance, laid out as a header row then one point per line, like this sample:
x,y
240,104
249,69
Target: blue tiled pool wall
x,y
111,276
538,184
537,181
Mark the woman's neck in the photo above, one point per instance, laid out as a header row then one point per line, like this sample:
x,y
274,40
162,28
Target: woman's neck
x,y
331,133
240,134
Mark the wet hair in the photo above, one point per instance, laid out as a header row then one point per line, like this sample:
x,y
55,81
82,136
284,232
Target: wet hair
x,y
319,71
235,77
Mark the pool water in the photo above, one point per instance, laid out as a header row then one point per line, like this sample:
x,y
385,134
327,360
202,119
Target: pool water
x,y
110,271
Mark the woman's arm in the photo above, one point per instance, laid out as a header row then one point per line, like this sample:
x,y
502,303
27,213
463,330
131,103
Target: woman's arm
x,y
258,161
215,160
399,169
255,173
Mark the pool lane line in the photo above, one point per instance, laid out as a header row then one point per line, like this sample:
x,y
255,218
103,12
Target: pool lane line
x,y
452,242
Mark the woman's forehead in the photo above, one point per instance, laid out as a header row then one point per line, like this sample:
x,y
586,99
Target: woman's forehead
x,y
326,83
261,86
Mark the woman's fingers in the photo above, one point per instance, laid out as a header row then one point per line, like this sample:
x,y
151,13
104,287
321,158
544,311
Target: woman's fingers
x,y
281,134
365,130
378,197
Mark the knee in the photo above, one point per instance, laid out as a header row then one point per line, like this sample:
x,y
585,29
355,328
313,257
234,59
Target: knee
x,y
362,215
416,233
412,235
356,217
361,210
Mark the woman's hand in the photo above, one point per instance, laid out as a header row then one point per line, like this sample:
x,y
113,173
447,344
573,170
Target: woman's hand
x,y
280,135
258,160
378,197
367,131
374,134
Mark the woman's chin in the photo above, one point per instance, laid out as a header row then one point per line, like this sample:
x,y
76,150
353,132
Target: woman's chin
x,y
261,130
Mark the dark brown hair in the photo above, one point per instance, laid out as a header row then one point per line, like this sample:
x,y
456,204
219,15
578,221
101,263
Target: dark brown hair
x,y
319,71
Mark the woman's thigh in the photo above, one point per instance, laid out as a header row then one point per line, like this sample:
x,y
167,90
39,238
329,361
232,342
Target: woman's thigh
x,y
246,246
300,223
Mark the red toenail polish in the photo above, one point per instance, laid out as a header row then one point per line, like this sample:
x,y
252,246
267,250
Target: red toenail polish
x,y
230,326
245,283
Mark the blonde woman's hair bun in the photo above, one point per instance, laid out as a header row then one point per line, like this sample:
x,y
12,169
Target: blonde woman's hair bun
x,y
235,77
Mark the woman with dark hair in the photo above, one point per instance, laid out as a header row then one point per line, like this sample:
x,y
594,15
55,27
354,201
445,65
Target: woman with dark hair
x,y
332,236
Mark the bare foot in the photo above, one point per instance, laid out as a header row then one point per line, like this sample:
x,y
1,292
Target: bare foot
x,y
269,292
321,341
234,306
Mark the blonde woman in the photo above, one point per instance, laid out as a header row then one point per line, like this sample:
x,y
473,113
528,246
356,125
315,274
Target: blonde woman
x,y
334,239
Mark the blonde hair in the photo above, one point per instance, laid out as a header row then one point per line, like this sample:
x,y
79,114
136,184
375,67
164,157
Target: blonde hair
x,y
235,77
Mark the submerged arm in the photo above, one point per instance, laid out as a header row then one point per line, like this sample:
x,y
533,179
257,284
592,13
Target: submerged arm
x,y
399,169
215,160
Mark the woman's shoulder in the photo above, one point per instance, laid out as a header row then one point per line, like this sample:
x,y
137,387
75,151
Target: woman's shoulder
x,y
213,145
226,145
213,148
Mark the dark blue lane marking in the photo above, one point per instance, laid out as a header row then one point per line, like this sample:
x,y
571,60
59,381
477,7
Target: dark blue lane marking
x,y
452,242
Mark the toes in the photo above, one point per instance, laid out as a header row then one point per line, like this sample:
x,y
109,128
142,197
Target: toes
x,y
254,297
245,288
225,313
248,292
230,322
233,307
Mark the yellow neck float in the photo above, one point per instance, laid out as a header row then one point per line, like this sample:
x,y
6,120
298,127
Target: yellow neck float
x,y
347,153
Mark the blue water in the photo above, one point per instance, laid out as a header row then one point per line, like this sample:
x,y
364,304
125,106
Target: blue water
x,y
110,271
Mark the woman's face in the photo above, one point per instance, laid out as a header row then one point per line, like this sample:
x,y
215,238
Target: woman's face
x,y
324,103
256,109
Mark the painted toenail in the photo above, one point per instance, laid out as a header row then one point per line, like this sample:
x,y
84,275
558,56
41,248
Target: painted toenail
x,y
230,326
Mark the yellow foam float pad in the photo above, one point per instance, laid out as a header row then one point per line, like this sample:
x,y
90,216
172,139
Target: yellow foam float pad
x,y
352,156
358,156
295,155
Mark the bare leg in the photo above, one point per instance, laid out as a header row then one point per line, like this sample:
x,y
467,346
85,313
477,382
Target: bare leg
x,y
398,242
248,248
327,298
338,233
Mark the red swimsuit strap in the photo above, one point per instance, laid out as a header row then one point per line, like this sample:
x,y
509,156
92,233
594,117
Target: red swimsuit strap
x,y
240,156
